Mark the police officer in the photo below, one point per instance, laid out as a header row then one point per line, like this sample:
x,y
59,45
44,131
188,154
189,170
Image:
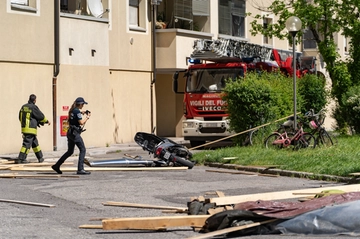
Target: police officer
x,y
30,118
77,119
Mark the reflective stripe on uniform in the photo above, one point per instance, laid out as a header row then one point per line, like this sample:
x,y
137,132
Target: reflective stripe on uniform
x,y
29,131
37,149
24,150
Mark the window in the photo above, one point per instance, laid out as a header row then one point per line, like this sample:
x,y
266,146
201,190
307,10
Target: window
x,y
94,8
346,45
232,17
20,2
134,12
189,14
309,40
137,15
266,22
26,6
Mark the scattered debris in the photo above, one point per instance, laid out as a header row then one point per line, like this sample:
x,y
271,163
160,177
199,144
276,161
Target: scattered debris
x,y
237,215
154,223
74,169
15,175
27,203
136,205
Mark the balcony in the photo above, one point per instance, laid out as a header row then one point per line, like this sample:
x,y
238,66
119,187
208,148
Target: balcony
x,y
179,23
174,47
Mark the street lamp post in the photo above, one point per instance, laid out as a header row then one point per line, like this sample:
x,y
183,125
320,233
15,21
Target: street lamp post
x,y
154,4
293,25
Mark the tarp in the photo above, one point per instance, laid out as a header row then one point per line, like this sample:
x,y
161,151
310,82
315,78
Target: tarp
x,y
343,219
330,215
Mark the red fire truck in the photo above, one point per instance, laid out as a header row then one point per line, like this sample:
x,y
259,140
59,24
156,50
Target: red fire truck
x,y
215,61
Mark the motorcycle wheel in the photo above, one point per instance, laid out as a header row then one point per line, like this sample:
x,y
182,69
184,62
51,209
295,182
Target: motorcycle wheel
x,y
183,162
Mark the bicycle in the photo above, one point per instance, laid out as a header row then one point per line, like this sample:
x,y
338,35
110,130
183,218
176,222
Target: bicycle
x,y
316,122
298,140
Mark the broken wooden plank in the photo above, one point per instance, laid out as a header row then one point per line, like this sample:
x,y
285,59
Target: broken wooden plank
x,y
229,158
220,194
154,223
231,229
43,164
174,211
74,169
91,226
37,176
137,205
278,195
27,203
213,211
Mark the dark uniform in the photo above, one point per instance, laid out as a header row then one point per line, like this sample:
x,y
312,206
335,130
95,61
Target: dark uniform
x,y
30,118
74,138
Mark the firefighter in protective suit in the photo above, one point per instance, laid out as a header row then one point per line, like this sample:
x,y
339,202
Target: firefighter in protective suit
x,y
30,118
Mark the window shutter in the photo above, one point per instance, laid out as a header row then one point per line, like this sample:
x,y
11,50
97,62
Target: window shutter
x,y
134,3
183,9
224,18
238,7
201,7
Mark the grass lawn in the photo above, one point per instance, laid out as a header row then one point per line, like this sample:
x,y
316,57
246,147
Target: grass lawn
x,y
340,159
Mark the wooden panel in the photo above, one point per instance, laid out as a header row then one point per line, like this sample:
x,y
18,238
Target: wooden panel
x,y
154,223
279,195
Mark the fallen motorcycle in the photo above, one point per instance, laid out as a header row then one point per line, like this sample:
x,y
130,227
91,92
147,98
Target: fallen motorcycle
x,y
167,152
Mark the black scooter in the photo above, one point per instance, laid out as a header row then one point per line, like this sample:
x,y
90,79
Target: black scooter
x,y
168,152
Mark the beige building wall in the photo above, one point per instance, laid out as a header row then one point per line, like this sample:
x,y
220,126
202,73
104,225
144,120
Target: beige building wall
x,y
18,81
103,60
26,58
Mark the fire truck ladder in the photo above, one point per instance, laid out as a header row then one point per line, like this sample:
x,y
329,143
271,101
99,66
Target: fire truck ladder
x,y
228,50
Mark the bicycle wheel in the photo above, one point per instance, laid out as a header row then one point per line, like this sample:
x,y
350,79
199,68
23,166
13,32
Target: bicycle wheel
x,y
274,141
307,140
247,140
257,137
324,139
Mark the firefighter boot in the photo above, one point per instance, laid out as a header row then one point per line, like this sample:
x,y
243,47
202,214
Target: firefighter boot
x,y
21,159
39,156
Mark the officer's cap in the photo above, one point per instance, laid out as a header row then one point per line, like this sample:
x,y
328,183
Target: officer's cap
x,y
80,100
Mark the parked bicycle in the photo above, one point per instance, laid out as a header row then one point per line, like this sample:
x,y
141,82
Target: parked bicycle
x,y
316,121
297,140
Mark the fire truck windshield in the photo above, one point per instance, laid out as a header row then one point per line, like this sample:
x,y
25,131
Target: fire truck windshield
x,y
211,80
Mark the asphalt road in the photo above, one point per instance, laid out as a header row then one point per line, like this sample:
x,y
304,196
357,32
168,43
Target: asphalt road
x,y
78,200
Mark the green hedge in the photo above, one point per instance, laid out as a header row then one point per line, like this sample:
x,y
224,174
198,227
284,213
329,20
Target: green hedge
x,y
261,98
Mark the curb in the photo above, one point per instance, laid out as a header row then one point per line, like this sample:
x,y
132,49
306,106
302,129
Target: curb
x,y
286,173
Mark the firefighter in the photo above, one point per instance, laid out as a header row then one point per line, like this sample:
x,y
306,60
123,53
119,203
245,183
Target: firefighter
x,y
77,120
30,118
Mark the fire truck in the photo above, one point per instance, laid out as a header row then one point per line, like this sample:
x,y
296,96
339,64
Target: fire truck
x,y
214,62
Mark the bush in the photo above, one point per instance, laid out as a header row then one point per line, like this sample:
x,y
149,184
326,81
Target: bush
x,y
258,99
313,92
351,108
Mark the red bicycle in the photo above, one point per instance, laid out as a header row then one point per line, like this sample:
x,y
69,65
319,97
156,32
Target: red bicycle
x,y
297,140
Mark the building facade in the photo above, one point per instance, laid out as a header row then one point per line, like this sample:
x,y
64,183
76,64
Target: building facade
x,y
106,51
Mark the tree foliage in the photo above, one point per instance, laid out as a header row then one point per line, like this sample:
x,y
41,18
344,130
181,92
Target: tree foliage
x,y
325,19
